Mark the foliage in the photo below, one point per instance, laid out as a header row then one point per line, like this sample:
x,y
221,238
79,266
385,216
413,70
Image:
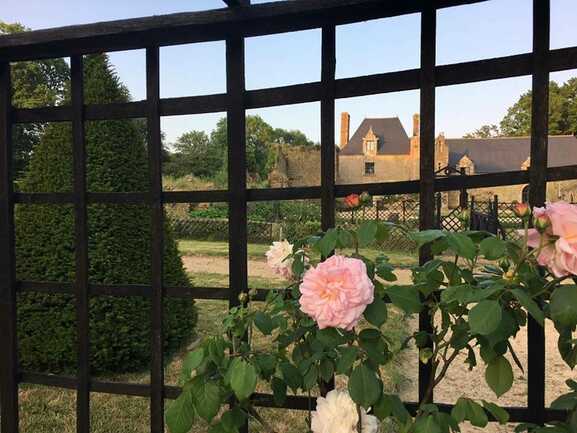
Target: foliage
x,y
119,246
39,83
195,155
517,121
485,131
483,295
198,155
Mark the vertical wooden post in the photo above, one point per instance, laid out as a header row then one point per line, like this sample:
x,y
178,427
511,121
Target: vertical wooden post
x,y
538,190
8,354
427,159
157,239
80,245
328,66
237,211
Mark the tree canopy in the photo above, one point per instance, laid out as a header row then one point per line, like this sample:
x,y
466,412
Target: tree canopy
x,y
517,121
195,153
40,83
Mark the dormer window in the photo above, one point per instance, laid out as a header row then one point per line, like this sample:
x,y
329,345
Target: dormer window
x,y
370,143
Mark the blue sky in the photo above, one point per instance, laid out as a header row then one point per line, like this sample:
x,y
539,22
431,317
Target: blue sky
x,y
494,28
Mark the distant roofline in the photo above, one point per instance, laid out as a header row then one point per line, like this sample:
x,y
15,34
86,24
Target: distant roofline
x,y
507,138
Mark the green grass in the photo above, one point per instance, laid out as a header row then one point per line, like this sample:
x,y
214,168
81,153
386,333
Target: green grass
x,y
208,279
257,251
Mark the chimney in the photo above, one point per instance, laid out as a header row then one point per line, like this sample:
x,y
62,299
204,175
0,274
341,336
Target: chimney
x,y
416,125
345,129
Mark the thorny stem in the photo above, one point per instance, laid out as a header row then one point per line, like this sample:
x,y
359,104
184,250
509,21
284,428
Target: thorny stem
x,y
360,421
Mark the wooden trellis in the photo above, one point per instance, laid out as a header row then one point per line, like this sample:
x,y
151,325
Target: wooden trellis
x,y
233,25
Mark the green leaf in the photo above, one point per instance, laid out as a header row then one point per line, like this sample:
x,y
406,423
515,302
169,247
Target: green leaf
x,y
492,248
564,305
467,409
406,298
345,238
426,424
499,375
462,245
180,413
484,318
291,375
206,396
364,386
327,369
367,233
191,362
426,236
243,379
346,359
233,419
279,389
530,305
328,242
500,414
376,313
263,322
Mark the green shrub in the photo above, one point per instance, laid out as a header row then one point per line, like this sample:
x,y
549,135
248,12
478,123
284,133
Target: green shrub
x,y
119,246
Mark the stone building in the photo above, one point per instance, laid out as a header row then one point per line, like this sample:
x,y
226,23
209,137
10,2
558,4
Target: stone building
x,y
380,150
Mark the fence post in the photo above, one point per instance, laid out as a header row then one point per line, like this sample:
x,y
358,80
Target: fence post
x,y
472,213
463,196
439,204
378,206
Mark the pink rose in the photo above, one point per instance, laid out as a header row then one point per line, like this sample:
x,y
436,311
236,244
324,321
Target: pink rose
x,y
336,292
559,240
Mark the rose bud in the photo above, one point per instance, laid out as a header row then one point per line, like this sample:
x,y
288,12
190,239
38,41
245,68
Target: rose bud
x,y
351,201
243,297
542,223
522,210
366,198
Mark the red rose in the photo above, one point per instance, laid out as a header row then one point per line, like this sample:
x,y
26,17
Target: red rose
x,y
352,201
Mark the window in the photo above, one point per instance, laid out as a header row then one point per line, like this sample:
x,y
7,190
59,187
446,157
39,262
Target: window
x,y
369,168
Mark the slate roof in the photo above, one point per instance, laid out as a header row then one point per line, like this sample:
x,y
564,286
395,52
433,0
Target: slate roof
x,y
492,155
393,140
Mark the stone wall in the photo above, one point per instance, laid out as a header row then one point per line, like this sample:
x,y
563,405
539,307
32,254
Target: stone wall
x,y
296,166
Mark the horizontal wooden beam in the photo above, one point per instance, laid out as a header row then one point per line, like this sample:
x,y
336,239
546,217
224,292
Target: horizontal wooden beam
x,y
453,183
181,28
447,75
517,414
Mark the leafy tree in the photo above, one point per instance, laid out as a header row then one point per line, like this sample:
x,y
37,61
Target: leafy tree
x,y
485,131
292,137
195,155
119,245
34,84
562,111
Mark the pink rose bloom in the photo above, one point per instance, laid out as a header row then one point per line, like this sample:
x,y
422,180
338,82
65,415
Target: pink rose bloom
x,y
336,292
559,253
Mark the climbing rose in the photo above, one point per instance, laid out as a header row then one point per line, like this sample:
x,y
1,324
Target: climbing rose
x,y
352,201
277,258
337,413
559,239
336,292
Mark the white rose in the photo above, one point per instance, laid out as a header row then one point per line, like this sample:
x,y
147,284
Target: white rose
x,y
276,255
337,413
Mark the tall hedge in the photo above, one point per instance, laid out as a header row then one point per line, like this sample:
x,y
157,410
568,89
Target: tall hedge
x,y
119,245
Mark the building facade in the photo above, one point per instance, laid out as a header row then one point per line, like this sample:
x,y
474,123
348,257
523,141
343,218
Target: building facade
x,y
380,150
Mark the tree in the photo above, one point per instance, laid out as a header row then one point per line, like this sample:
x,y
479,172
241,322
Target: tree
x,y
195,155
40,83
119,245
562,111
485,131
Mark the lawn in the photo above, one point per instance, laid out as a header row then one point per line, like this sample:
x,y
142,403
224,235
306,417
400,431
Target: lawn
x,y
257,252
52,410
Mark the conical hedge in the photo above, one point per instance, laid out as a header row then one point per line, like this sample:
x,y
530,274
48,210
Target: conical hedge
x,y
119,245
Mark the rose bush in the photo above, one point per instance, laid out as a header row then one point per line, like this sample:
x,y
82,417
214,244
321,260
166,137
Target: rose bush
x,y
331,320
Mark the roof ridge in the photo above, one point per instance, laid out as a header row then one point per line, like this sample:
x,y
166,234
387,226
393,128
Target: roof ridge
x,y
505,137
